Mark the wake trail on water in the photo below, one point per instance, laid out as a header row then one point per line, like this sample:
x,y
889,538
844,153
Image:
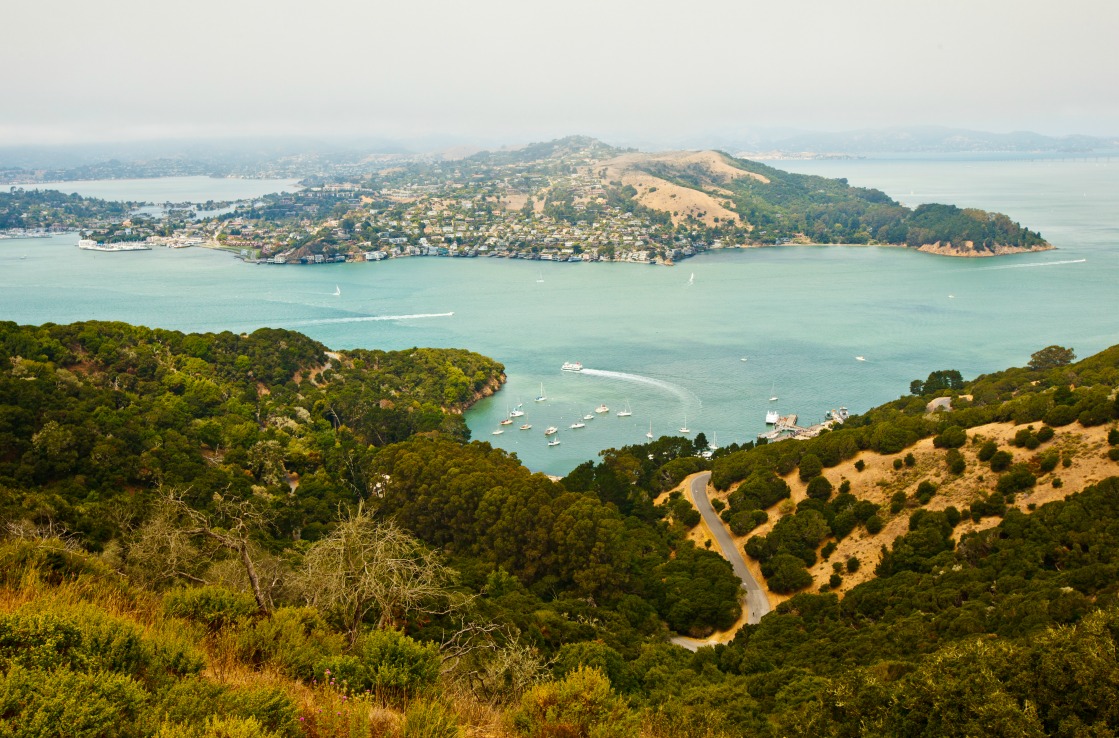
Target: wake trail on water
x,y
1033,264
684,395
371,318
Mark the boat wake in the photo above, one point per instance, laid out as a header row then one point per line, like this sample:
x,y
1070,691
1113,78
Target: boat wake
x,y
1033,264
371,318
685,396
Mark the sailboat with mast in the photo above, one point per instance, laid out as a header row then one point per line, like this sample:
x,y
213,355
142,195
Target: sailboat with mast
x,y
541,397
773,393
684,428
649,435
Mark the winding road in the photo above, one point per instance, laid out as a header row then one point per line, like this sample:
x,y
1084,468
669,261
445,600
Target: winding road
x,y
755,602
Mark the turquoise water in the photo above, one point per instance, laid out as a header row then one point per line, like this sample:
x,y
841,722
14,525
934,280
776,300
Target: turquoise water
x,y
670,349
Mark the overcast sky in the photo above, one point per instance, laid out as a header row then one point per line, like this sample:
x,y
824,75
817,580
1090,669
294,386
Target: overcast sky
x,y
79,70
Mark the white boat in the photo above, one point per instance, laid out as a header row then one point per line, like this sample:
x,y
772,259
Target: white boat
x,y
578,424
507,421
771,417
691,279
650,433
588,416
88,244
625,413
773,394
684,428
526,426
540,278
337,291
602,408
541,397
497,432
551,430
860,358
554,442
572,366
516,412
743,359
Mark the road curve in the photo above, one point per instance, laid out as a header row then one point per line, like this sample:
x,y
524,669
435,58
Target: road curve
x,y
757,604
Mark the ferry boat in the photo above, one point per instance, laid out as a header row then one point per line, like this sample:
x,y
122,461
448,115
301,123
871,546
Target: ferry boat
x,y
602,409
551,431
88,244
572,366
771,417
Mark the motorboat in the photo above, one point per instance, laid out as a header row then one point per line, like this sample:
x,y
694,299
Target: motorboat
x,y
551,430
526,426
578,424
602,409
572,366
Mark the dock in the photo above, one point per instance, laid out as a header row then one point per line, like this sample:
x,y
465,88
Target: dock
x,y
786,427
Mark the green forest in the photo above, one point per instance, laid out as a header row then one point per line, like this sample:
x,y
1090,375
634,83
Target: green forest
x,y
221,535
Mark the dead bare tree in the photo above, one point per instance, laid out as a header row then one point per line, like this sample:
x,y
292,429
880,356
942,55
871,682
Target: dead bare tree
x,y
231,526
366,568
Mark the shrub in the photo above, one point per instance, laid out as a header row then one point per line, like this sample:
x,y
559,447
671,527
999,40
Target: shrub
x,y
1047,462
599,656
987,450
581,704
1113,437
874,524
57,703
214,607
910,460
853,564
810,467
819,488
1057,483
865,509
860,465
827,550
1017,478
344,672
1060,415
788,574
292,639
845,487
718,504
925,492
1045,433
952,437
897,464
1113,453
955,460
398,664
834,581
1001,461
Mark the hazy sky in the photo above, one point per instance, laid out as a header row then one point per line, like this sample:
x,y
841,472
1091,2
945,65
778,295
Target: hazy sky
x,y
77,70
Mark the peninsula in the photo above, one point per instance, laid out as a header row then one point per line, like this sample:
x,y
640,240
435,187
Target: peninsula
x,y
573,199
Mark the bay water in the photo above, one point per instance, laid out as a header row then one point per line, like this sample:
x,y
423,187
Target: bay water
x,y
705,343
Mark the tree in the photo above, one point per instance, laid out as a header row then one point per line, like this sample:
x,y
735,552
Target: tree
x,y
368,568
1051,357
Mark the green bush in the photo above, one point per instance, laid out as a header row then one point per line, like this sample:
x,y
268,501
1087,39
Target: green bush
x,y
1001,461
1113,437
835,580
819,488
1017,478
955,461
810,467
1060,415
1113,453
897,464
1045,433
599,656
860,465
399,665
292,639
853,564
39,704
987,450
788,574
952,437
1047,462
344,672
214,607
925,491
581,704
910,459
874,524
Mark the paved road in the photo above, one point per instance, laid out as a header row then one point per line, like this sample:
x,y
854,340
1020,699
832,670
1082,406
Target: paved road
x,y
756,602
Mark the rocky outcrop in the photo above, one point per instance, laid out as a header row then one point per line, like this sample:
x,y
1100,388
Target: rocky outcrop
x,y
967,249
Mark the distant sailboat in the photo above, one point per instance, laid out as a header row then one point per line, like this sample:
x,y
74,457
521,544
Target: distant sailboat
x,y
691,279
625,413
773,393
337,291
540,278
541,397
684,428
650,433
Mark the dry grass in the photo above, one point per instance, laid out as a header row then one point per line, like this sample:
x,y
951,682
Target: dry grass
x,y
1086,447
